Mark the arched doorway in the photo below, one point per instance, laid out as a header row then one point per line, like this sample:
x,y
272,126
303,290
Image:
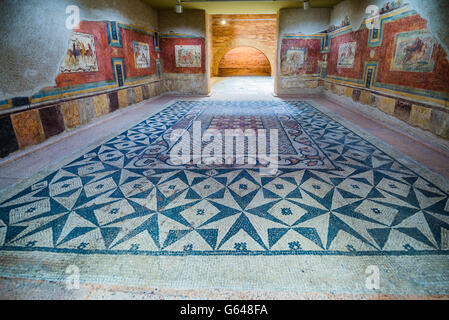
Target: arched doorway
x,y
244,61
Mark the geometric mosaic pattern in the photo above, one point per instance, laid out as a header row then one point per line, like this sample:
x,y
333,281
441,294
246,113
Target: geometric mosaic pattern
x,y
363,203
296,147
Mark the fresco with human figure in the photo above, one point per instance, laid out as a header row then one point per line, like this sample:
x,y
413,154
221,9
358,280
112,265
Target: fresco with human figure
x,y
414,51
294,59
81,56
188,56
346,55
141,55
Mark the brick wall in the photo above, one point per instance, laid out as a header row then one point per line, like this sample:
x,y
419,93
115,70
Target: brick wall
x,y
257,31
244,61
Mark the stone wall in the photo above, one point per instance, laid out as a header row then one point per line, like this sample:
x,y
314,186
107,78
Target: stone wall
x,y
415,114
31,126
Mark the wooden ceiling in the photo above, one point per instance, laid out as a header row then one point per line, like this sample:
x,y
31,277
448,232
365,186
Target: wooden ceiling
x,y
240,7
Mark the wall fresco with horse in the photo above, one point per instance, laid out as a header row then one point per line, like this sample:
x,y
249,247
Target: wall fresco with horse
x,y
414,52
81,56
101,56
400,58
183,54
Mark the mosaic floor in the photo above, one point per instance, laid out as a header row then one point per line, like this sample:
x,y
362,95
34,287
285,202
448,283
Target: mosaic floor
x,y
334,194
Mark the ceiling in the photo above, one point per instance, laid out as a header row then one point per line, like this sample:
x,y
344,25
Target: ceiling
x,y
240,7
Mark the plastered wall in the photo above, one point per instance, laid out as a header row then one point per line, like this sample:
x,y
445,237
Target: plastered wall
x,y
35,37
186,29
55,79
299,35
400,68
433,11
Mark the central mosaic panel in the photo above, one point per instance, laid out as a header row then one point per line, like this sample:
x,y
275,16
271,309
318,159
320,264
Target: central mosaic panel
x,y
296,148
357,201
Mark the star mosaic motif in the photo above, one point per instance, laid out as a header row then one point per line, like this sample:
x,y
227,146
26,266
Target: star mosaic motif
x,y
355,200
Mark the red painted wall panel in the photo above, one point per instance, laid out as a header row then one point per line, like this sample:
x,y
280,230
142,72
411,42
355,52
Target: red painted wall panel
x,y
362,52
436,80
168,58
128,37
99,31
104,53
313,53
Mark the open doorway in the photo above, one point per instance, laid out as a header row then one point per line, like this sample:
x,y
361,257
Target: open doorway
x,y
242,53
